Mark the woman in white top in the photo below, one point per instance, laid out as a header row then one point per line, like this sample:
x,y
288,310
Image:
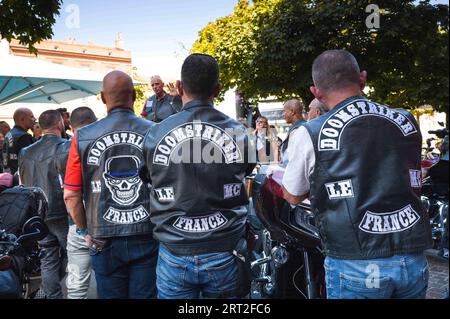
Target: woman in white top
x,y
266,141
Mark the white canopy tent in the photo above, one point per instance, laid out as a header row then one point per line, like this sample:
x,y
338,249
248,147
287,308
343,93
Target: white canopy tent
x,y
31,80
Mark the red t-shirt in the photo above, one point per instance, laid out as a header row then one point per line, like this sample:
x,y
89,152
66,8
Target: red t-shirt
x,y
73,179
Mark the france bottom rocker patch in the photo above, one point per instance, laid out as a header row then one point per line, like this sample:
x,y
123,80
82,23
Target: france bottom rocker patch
x,y
390,222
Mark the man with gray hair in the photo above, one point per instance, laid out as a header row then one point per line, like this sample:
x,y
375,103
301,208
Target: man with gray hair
x,y
161,105
360,166
316,109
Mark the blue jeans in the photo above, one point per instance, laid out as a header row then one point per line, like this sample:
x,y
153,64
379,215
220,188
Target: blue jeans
x,y
398,277
213,275
9,285
125,267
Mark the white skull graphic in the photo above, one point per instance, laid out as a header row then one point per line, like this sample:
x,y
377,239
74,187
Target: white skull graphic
x,y
122,179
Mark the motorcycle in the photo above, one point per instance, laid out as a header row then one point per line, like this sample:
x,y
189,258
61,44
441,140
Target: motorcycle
x,y
289,261
20,260
435,190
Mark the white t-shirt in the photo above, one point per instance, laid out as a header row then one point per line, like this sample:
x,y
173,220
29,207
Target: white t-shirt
x,y
301,163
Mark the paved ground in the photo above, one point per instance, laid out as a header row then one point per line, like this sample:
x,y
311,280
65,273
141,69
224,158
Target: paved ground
x,y
438,282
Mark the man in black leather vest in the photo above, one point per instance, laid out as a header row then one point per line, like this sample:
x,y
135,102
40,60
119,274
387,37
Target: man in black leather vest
x,y
102,172
37,167
360,163
17,138
196,165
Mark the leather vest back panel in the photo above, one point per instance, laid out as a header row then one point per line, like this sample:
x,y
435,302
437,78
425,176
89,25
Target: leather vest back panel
x,y
116,199
365,189
197,168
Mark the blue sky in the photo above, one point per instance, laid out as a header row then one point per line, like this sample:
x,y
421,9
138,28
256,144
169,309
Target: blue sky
x,y
155,31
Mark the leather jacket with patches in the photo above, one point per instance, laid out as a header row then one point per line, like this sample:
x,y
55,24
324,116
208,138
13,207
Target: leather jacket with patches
x,y
37,168
116,200
197,160
15,140
366,184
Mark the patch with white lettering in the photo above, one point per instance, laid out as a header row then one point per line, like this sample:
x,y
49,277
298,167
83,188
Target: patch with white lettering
x,y
127,216
231,190
332,129
201,224
165,194
215,137
341,189
415,177
96,187
107,141
390,222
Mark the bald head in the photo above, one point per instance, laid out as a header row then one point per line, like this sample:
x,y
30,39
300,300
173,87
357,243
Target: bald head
x,y
24,118
118,90
292,111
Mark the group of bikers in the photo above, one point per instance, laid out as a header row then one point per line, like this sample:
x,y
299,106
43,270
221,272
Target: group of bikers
x,y
158,205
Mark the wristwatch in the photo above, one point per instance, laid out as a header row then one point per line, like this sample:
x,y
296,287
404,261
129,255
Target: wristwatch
x,y
82,232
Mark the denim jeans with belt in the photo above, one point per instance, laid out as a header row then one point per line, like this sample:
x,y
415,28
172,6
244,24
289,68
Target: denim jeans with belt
x,y
213,275
396,277
125,267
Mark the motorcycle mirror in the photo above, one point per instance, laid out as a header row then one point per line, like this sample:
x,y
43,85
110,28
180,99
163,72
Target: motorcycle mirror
x,y
34,228
5,262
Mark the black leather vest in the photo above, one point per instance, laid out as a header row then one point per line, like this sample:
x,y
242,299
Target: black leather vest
x,y
38,167
365,189
116,200
197,168
12,146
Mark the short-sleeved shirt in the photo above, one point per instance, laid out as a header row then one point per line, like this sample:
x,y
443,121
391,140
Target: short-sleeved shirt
x,y
157,109
300,167
73,179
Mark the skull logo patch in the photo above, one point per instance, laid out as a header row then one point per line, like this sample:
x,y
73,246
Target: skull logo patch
x,y
122,179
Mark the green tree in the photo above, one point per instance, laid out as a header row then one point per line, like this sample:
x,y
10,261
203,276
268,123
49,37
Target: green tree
x,y
141,91
29,21
267,48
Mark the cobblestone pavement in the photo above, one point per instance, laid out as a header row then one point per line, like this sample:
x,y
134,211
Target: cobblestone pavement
x,y
438,282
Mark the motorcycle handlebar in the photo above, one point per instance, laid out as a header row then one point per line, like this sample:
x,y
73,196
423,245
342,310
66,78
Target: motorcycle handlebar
x,y
439,133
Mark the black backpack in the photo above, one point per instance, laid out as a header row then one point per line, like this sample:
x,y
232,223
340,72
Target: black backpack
x,y
18,204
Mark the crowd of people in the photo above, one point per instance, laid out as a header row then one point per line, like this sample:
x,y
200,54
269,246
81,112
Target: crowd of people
x,y
154,217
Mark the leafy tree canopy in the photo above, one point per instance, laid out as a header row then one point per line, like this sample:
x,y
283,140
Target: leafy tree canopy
x,y
266,48
29,21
